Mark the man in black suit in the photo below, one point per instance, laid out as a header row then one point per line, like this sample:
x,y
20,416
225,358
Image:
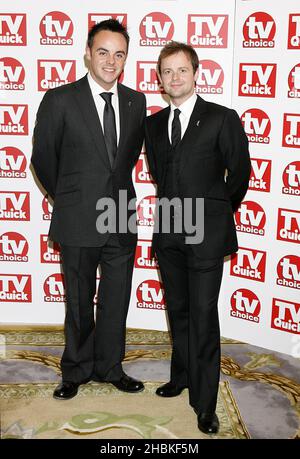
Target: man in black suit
x,y
190,145
87,139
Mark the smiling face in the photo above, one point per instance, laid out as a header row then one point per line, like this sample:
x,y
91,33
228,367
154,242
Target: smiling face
x,y
178,77
107,57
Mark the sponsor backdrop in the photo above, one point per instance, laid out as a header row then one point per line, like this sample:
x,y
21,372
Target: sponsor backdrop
x,y
249,59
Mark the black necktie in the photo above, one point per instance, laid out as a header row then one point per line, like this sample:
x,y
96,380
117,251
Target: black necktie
x,y
109,127
176,128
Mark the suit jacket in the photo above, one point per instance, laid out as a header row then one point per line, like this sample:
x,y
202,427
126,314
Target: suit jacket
x,y
214,142
71,161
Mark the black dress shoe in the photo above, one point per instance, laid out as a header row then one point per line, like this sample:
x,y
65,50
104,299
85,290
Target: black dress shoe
x,y
65,390
128,384
169,390
208,423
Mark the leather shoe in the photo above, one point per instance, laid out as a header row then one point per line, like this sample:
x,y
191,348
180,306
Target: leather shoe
x,y
65,390
128,384
208,423
169,390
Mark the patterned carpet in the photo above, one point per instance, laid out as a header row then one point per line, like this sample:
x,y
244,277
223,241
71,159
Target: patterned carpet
x,y
259,393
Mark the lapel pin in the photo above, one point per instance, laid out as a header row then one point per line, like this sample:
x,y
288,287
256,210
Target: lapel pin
x,y
198,122
129,103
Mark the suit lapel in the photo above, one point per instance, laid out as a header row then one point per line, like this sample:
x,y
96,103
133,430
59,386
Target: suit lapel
x,y
195,122
126,106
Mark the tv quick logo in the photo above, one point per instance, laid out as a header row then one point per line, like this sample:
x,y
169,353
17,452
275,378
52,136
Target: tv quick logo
x,y
145,211
257,125
54,73
288,225
143,257
294,82
95,18
142,174
12,74
54,290
288,272
13,247
245,305
15,288
56,28
153,109
291,130
156,29
46,208
249,264
285,316
210,79
14,119
291,179
147,80
13,163
13,29
208,30
250,218
150,295
260,178
50,251
259,31
14,205
294,31
257,80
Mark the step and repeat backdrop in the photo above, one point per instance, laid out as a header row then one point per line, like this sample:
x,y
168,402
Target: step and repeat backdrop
x,y
249,59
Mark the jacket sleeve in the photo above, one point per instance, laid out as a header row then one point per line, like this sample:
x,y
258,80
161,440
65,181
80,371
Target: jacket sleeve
x,y
47,138
149,152
233,143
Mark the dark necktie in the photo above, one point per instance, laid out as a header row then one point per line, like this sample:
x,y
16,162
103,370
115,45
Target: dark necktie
x,y
109,127
176,128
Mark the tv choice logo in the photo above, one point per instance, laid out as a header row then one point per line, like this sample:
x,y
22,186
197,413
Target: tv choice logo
x,y
147,79
15,288
294,31
143,258
54,73
141,171
153,109
249,264
13,247
250,218
46,208
211,78
12,74
288,225
14,205
259,31
257,125
294,82
260,178
285,316
13,163
95,18
145,211
13,29
208,30
156,29
257,80
291,179
50,251
288,272
56,28
245,305
150,295
291,130
54,288
13,119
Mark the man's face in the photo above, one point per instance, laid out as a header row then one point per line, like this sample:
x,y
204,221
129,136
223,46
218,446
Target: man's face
x,y
177,77
107,57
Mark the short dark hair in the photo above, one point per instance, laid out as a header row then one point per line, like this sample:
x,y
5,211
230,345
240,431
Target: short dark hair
x,y
109,24
175,47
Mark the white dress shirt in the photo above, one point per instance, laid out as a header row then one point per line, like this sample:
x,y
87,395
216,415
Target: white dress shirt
x,y
186,110
100,103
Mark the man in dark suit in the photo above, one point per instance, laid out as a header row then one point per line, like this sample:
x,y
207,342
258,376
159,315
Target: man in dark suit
x,y
190,145
87,139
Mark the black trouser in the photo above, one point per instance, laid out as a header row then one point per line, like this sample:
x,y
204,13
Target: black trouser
x,y
96,350
192,288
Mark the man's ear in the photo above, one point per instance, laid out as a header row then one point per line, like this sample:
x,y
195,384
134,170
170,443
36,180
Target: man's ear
x,y
88,52
158,75
196,75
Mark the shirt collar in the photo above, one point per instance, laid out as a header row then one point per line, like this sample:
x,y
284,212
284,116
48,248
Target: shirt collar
x,y
97,89
187,107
